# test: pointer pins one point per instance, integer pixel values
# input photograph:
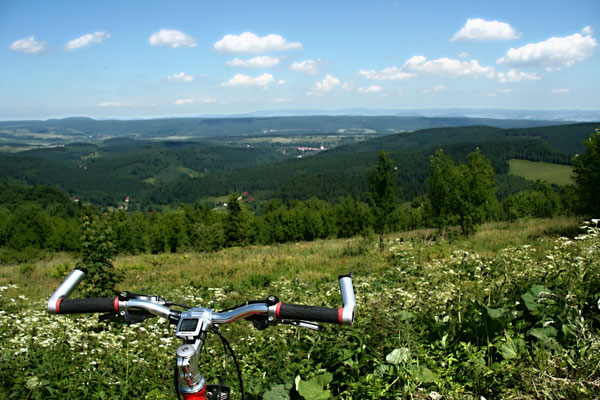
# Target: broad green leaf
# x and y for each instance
(397, 356)
(424, 374)
(531, 295)
(497, 313)
(546, 336)
(512, 348)
(314, 388)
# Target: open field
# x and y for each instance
(507, 313)
(531, 170)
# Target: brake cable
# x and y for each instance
(227, 346)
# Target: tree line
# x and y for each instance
(459, 194)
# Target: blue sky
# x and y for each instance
(145, 59)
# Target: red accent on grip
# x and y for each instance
(340, 314)
(195, 396)
(57, 307)
(117, 304)
(277, 309)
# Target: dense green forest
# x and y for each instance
(174, 172)
(453, 182)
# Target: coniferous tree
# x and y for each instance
(383, 195)
(237, 223)
(587, 176)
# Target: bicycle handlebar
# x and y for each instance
(59, 304)
(78, 306)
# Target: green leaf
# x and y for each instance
(497, 313)
(529, 298)
(512, 348)
(424, 374)
(314, 388)
(546, 336)
(397, 356)
(278, 392)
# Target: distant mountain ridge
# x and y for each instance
(78, 129)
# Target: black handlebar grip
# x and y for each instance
(309, 313)
(77, 306)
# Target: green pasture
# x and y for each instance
(532, 170)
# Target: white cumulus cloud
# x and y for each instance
(255, 62)
(180, 102)
(326, 85)
(448, 67)
(249, 42)
(480, 29)
(310, 67)
(551, 54)
(587, 30)
(560, 91)
(180, 77)
(370, 89)
(28, 45)
(209, 100)
(86, 40)
(172, 38)
(516, 76)
(263, 80)
(392, 73)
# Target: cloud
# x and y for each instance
(435, 89)
(86, 40)
(310, 67)
(113, 104)
(28, 45)
(587, 30)
(180, 77)
(370, 89)
(255, 62)
(180, 102)
(263, 80)
(282, 100)
(448, 67)
(499, 91)
(514, 76)
(464, 54)
(348, 85)
(560, 91)
(480, 29)
(249, 42)
(392, 73)
(326, 85)
(173, 38)
(551, 54)
(209, 100)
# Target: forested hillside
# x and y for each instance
(161, 173)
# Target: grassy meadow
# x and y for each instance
(510, 312)
(531, 170)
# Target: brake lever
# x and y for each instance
(303, 324)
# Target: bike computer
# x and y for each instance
(192, 322)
